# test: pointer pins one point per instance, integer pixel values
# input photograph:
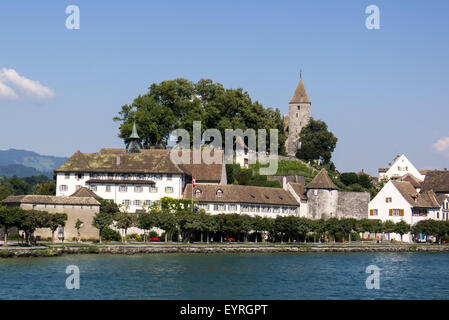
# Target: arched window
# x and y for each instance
(198, 193)
(219, 193)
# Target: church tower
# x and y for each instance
(297, 118)
(133, 146)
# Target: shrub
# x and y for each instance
(111, 235)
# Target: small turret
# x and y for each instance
(134, 146)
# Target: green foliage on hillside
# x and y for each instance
(247, 177)
(175, 104)
(29, 185)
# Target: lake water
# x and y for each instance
(229, 276)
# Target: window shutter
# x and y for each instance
(391, 212)
(371, 212)
(402, 212)
(386, 200)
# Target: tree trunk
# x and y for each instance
(5, 238)
(349, 237)
(255, 239)
(52, 236)
(201, 237)
(166, 236)
(207, 237)
(126, 235)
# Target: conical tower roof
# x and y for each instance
(300, 94)
(322, 181)
(134, 134)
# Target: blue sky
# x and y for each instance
(382, 92)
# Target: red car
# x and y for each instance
(231, 240)
(154, 239)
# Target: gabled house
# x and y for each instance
(400, 201)
(400, 167)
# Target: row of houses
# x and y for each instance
(410, 195)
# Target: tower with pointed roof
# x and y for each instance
(297, 118)
(133, 146)
(322, 195)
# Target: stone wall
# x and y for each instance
(322, 203)
(353, 204)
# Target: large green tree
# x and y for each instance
(317, 142)
(175, 104)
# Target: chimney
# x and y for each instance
(284, 182)
(118, 160)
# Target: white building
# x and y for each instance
(400, 167)
(132, 180)
(262, 201)
(400, 201)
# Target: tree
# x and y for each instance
(174, 104)
(56, 220)
(365, 181)
(402, 228)
(349, 178)
(347, 225)
(102, 220)
(317, 143)
(319, 228)
(389, 227)
(303, 227)
(33, 219)
(333, 226)
(78, 226)
(45, 188)
(10, 217)
(146, 221)
(376, 227)
(166, 221)
(124, 221)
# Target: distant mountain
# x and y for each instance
(25, 163)
(22, 171)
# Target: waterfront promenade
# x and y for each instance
(149, 248)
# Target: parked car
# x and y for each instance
(231, 240)
(154, 239)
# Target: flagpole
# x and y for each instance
(193, 179)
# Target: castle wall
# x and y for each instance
(322, 203)
(353, 205)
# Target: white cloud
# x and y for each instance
(29, 87)
(442, 146)
(7, 93)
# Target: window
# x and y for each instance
(67, 175)
(147, 202)
(158, 177)
(153, 189)
(244, 208)
(93, 188)
(141, 177)
(138, 189)
(123, 188)
(168, 189)
(396, 212)
(137, 202)
(219, 193)
(126, 202)
(63, 187)
(93, 175)
(169, 176)
(108, 188)
(110, 176)
(80, 176)
(204, 206)
(373, 212)
(233, 207)
(197, 193)
(388, 200)
(276, 209)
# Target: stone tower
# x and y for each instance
(322, 195)
(297, 118)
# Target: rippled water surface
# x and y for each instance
(229, 276)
